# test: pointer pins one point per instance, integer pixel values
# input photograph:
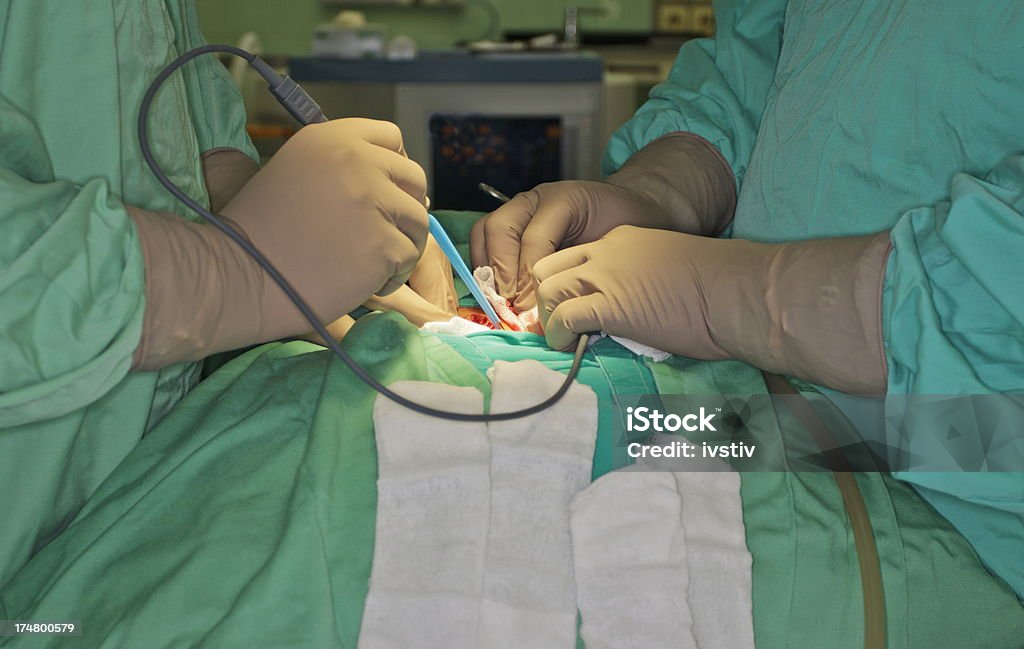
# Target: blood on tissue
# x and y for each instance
(525, 321)
(476, 315)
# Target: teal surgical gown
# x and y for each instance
(72, 75)
(849, 117)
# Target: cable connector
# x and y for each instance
(297, 101)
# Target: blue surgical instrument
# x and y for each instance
(462, 269)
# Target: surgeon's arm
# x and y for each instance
(808, 308)
(229, 163)
(717, 89)
(71, 283)
(675, 165)
(225, 172)
(954, 325)
(933, 306)
(72, 294)
(205, 294)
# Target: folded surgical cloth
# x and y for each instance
(639, 349)
(457, 326)
(473, 547)
(661, 561)
(525, 321)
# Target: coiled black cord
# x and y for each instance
(306, 111)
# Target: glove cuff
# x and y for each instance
(687, 177)
(808, 309)
(226, 171)
(203, 295)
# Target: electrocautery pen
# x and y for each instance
(462, 269)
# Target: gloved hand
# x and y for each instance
(340, 211)
(406, 301)
(434, 283)
(225, 172)
(412, 305)
(808, 309)
(428, 297)
(430, 294)
(678, 182)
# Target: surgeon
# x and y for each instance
(110, 292)
(833, 191)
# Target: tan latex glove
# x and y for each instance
(405, 301)
(807, 309)
(340, 210)
(429, 296)
(412, 305)
(433, 281)
(225, 172)
(678, 182)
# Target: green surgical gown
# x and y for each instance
(845, 118)
(72, 75)
(244, 517)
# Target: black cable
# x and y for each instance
(304, 109)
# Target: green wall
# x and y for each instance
(286, 26)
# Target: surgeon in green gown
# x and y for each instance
(827, 190)
(108, 296)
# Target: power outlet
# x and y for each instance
(684, 17)
(703, 20)
(673, 18)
